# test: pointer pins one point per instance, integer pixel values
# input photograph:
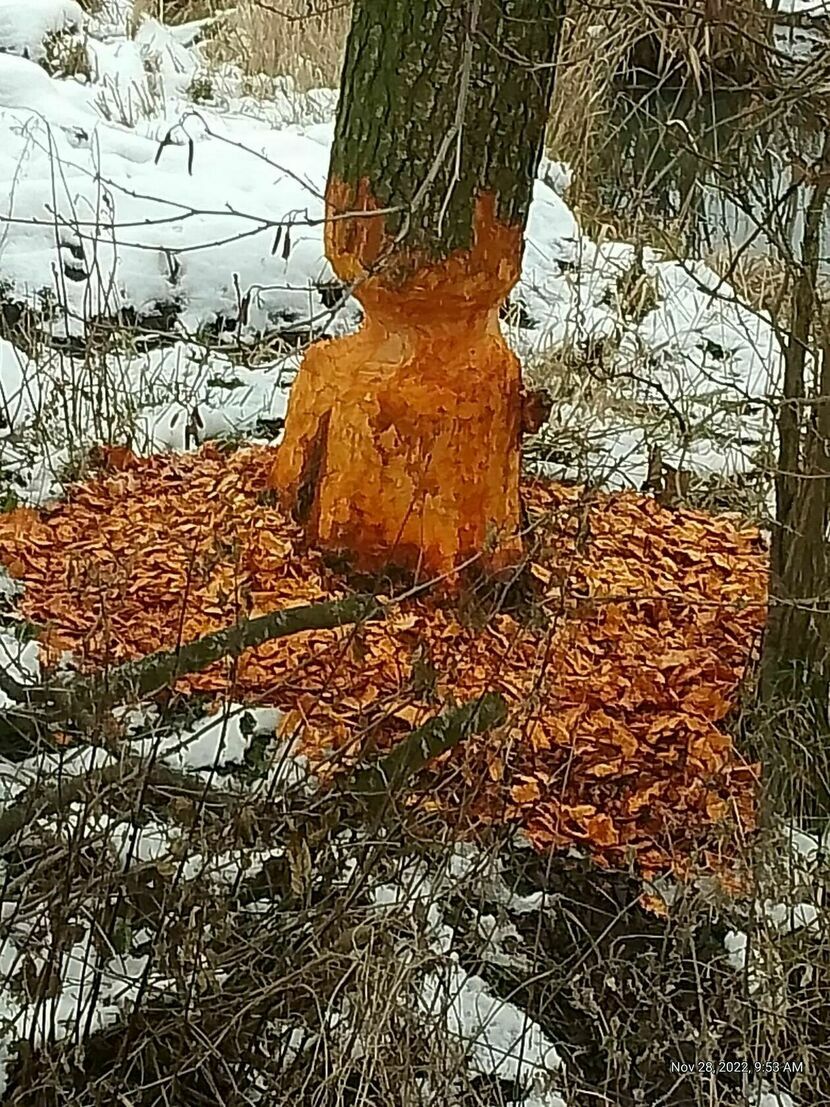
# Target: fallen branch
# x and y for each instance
(372, 785)
(83, 699)
(429, 741)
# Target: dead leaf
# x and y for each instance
(654, 905)
(601, 830)
(527, 792)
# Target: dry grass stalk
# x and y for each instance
(303, 39)
(765, 283)
(176, 11)
(579, 119)
(697, 39)
(696, 44)
(306, 40)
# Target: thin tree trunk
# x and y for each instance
(795, 670)
(402, 440)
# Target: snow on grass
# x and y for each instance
(228, 742)
(158, 184)
(439, 904)
(107, 210)
(806, 850)
(90, 986)
(220, 744)
(203, 395)
(19, 388)
(101, 218)
(91, 992)
(499, 1039)
(25, 28)
(690, 373)
(735, 943)
(174, 398)
(796, 908)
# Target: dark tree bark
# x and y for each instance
(402, 441)
(795, 670)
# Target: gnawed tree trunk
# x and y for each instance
(402, 440)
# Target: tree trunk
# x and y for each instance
(795, 669)
(402, 440)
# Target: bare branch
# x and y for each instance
(85, 698)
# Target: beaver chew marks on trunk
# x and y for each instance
(410, 427)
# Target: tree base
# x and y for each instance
(402, 445)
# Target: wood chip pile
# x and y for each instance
(619, 673)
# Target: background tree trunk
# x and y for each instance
(402, 441)
(795, 670)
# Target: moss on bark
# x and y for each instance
(442, 100)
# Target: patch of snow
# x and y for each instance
(500, 1039)
(229, 868)
(788, 917)
(19, 388)
(215, 742)
(137, 843)
(199, 398)
(777, 918)
(417, 892)
(25, 27)
(501, 944)
(735, 943)
(556, 174)
(112, 19)
(806, 847)
(181, 209)
(173, 398)
(19, 660)
(547, 1099)
(801, 7)
(472, 868)
(9, 587)
(136, 719)
(175, 64)
(766, 1096)
(699, 360)
(90, 992)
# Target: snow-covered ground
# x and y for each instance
(145, 185)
